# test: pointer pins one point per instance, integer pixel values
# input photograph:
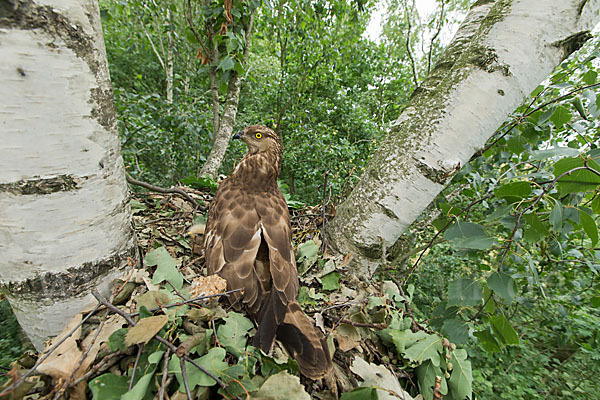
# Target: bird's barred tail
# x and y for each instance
(304, 342)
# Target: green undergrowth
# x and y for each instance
(377, 345)
(10, 343)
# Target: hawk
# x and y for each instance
(248, 242)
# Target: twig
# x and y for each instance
(195, 299)
(184, 377)
(437, 33)
(85, 354)
(135, 364)
(163, 384)
(158, 189)
(347, 303)
(533, 204)
(311, 215)
(48, 352)
(364, 324)
(176, 291)
(408, 47)
(157, 337)
(521, 118)
(103, 365)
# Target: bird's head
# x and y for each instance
(259, 139)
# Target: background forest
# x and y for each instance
(528, 201)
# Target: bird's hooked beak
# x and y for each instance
(238, 135)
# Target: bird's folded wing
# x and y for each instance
(275, 224)
(232, 240)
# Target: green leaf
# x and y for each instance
(464, 292)
(226, 64)
(361, 393)
(155, 357)
(535, 222)
(455, 330)
(561, 116)
(233, 334)
(461, 380)
(307, 254)
(503, 285)
(468, 235)
(426, 373)
(488, 341)
(427, 349)
(239, 68)
(514, 191)
(109, 386)
(331, 281)
(138, 391)
(166, 269)
(577, 181)
(116, 341)
(546, 115)
(539, 155)
(137, 206)
(503, 330)
(201, 183)
(589, 226)
(212, 361)
(590, 77)
(556, 215)
(307, 249)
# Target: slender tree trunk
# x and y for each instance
(227, 118)
(65, 221)
(169, 69)
(221, 140)
(501, 52)
(216, 103)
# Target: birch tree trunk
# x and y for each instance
(226, 119)
(169, 70)
(65, 221)
(501, 52)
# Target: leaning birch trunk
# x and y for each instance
(65, 221)
(501, 52)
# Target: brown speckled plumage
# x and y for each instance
(248, 243)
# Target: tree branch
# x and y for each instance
(158, 189)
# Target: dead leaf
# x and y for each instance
(347, 337)
(374, 375)
(145, 329)
(205, 314)
(320, 322)
(281, 386)
(346, 260)
(63, 360)
(152, 299)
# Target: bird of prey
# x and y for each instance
(247, 241)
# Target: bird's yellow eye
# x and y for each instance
(258, 135)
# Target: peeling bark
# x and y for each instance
(501, 52)
(65, 221)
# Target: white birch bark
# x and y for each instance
(65, 225)
(501, 52)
